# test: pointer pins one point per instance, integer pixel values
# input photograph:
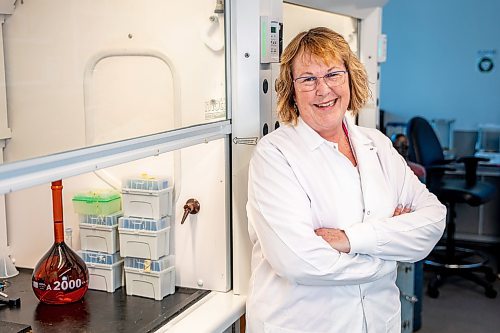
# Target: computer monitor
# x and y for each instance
(488, 139)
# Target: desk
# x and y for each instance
(479, 224)
(98, 312)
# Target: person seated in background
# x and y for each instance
(400, 143)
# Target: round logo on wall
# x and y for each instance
(485, 64)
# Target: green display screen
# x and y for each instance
(273, 30)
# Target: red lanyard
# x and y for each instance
(346, 132)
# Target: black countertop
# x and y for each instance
(97, 312)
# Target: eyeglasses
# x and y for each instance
(309, 83)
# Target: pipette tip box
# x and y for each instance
(97, 202)
(150, 198)
(144, 238)
(100, 232)
(150, 278)
(105, 270)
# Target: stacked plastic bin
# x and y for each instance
(99, 213)
(145, 237)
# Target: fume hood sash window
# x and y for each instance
(23, 174)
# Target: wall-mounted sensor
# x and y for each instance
(382, 48)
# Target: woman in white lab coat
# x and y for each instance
(331, 206)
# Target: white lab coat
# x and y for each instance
(299, 182)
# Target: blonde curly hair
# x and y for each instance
(329, 46)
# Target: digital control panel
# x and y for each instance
(269, 40)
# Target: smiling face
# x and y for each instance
(322, 108)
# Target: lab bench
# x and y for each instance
(99, 311)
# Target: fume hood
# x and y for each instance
(99, 92)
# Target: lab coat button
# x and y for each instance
(368, 213)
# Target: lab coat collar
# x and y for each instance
(310, 137)
(372, 176)
(364, 149)
(313, 140)
(355, 135)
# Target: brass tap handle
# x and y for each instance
(192, 206)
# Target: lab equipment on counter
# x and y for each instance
(68, 236)
(95, 257)
(61, 276)
(11, 303)
(14, 302)
(147, 197)
(146, 183)
(97, 202)
(7, 268)
(100, 232)
(143, 237)
(105, 270)
(150, 278)
(144, 234)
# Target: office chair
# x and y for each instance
(425, 149)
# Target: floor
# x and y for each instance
(461, 307)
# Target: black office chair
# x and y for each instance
(425, 149)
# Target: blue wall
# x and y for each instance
(432, 56)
